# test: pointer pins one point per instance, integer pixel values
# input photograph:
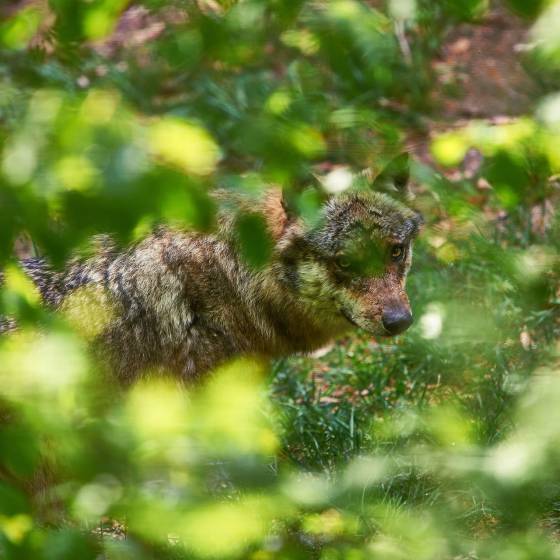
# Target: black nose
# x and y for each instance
(396, 320)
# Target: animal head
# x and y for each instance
(350, 268)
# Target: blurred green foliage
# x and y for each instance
(115, 116)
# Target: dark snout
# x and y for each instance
(396, 320)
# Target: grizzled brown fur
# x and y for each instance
(185, 302)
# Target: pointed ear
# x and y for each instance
(395, 176)
(275, 213)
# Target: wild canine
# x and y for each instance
(185, 302)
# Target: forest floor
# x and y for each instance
(480, 75)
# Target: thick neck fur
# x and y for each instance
(295, 326)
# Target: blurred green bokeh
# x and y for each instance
(115, 116)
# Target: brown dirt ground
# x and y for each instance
(484, 61)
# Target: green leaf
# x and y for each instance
(254, 239)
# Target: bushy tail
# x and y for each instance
(46, 281)
(44, 278)
(6, 324)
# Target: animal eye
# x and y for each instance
(397, 252)
(343, 262)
